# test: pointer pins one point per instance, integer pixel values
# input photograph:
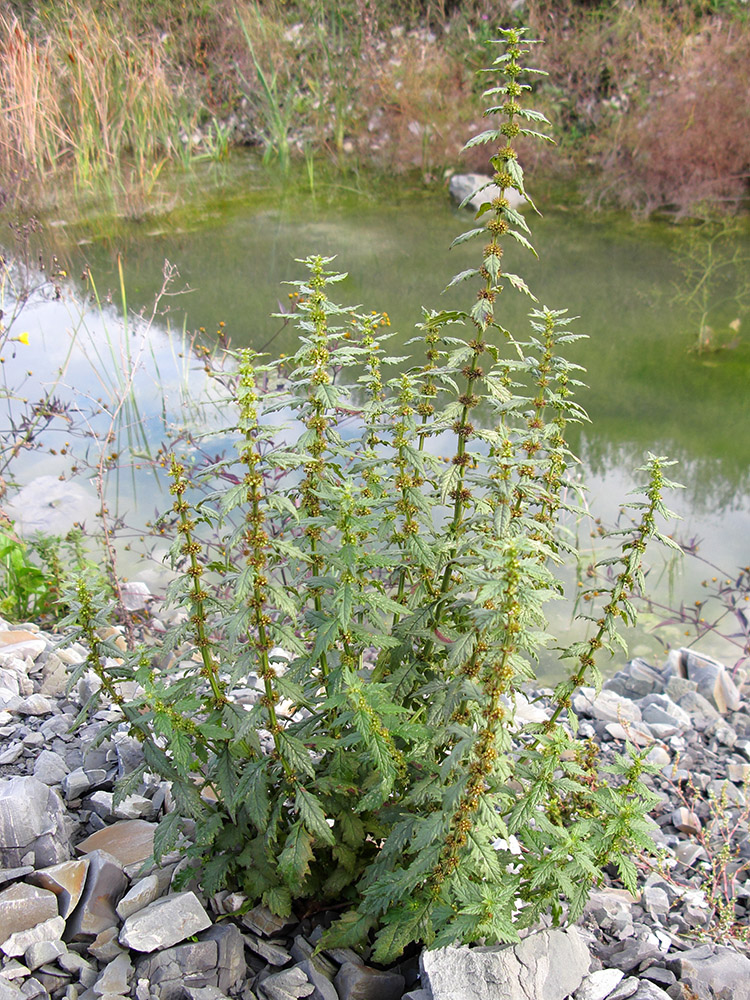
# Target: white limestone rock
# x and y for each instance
(164, 923)
(549, 965)
(32, 819)
(48, 930)
(598, 985)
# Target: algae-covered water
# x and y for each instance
(647, 390)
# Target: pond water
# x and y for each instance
(647, 390)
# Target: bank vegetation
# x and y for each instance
(649, 100)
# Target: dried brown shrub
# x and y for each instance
(689, 142)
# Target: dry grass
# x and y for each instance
(84, 96)
(654, 100)
(689, 143)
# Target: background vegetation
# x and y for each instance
(649, 99)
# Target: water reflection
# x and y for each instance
(646, 392)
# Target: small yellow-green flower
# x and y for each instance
(22, 338)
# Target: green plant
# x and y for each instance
(24, 583)
(276, 107)
(34, 571)
(713, 285)
(387, 586)
(722, 862)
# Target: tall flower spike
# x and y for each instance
(503, 220)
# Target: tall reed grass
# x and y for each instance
(85, 95)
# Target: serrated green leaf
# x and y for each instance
(537, 135)
(295, 753)
(350, 930)
(628, 873)
(520, 285)
(403, 927)
(351, 828)
(128, 784)
(490, 135)
(214, 872)
(482, 312)
(469, 235)
(167, 834)
(278, 899)
(297, 853)
(519, 238)
(313, 815)
(470, 272)
(532, 116)
(460, 650)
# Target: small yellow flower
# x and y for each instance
(22, 338)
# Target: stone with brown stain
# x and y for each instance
(106, 884)
(24, 906)
(66, 880)
(131, 841)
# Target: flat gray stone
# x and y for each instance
(13, 969)
(20, 643)
(14, 874)
(260, 920)
(686, 821)
(10, 992)
(33, 988)
(549, 965)
(67, 880)
(205, 993)
(659, 709)
(169, 971)
(54, 677)
(231, 966)
(129, 841)
(116, 976)
(77, 965)
(290, 983)
(48, 930)
(598, 985)
(607, 706)
(713, 680)
(42, 952)
(134, 807)
(164, 922)
(650, 991)
(629, 954)
(636, 679)
(32, 818)
(106, 884)
(35, 704)
(610, 909)
(100, 802)
(50, 768)
(626, 989)
(656, 902)
(105, 945)
(75, 784)
(141, 894)
(361, 982)
(23, 906)
(725, 973)
(323, 988)
(272, 953)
